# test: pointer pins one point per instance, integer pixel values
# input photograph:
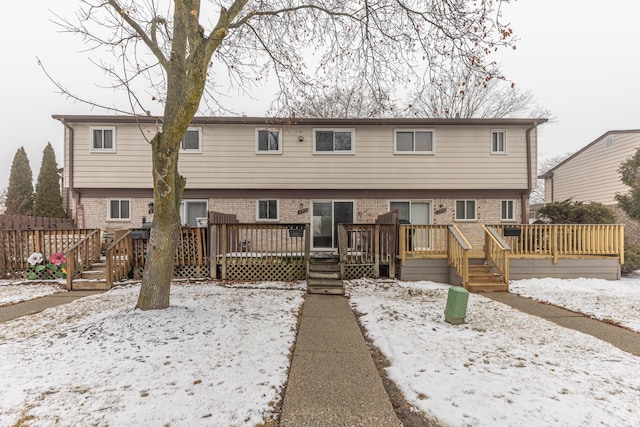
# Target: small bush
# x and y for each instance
(631, 259)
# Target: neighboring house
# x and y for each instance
(591, 174)
(317, 171)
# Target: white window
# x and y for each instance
(465, 210)
(608, 141)
(192, 141)
(498, 142)
(103, 139)
(333, 141)
(119, 209)
(414, 142)
(267, 210)
(191, 210)
(507, 210)
(268, 141)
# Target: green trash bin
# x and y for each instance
(456, 309)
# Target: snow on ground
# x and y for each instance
(215, 357)
(12, 293)
(219, 356)
(502, 367)
(615, 302)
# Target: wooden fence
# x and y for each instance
(17, 245)
(363, 248)
(21, 222)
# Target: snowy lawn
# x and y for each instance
(616, 302)
(500, 368)
(15, 292)
(216, 357)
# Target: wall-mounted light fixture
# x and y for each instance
(151, 206)
(301, 205)
(300, 138)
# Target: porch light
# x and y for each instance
(150, 205)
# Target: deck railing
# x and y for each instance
(82, 255)
(368, 244)
(497, 252)
(239, 249)
(423, 241)
(119, 258)
(191, 249)
(17, 245)
(458, 253)
(556, 240)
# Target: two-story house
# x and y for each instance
(592, 175)
(317, 171)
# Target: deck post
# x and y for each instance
(376, 251)
(223, 247)
(213, 245)
(307, 247)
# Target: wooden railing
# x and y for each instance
(497, 252)
(258, 244)
(422, 241)
(458, 253)
(191, 249)
(368, 244)
(17, 245)
(119, 258)
(556, 240)
(82, 255)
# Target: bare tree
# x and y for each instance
(177, 52)
(460, 92)
(354, 101)
(544, 165)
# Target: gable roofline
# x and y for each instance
(549, 173)
(282, 121)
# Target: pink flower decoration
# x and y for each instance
(57, 259)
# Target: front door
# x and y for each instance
(415, 213)
(326, 217)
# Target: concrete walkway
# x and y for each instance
(333, 379)
(37, 305)
(624, 339)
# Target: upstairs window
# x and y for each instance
(507, 210)
(103, 139)
(498, 142)
(192, 141)
(268, 141)
(333, 141)
(267, 210)
(414, 142)
(465, 210)
(119, 209)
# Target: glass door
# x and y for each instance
(420, 215)
(325, 219)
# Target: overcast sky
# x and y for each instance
(579, 58)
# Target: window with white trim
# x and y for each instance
(268, 141)
(119, 209)
(465, 210)
(414, 142)
(267, 210)
(191, 210)
(103, 139)
(339, 141)
(191, 141)
(498, 142)
(507, 209)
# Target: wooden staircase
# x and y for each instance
(483, 279)
(324, 275)
(92, 279)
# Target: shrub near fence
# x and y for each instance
(20, 222)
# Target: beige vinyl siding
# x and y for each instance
(592, 175)
(462, 160)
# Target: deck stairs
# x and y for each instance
(324, 275)
(482, 278)
(92, 279)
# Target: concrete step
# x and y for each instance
(89, 285)
(325, 290)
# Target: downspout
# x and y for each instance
(525, 194)
(74, 193)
